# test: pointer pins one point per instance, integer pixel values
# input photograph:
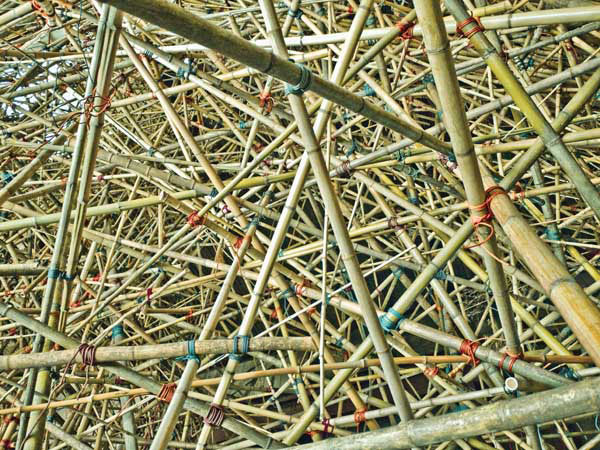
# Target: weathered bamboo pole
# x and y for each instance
(579, 398)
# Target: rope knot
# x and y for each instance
(468, 348)
(405, 29)
(486, 218)
(266, 101)
(194, 220)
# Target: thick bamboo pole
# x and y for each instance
(533, 409)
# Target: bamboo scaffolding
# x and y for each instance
(361, 224)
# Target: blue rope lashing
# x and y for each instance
(370, 20)
(339, 342)
(237, 352)
(213, 192)
(296, 14)
(439, 114)
(569, 373)
(526, 135)
(191, 352)
(65, 276)
(296, 382)
(413, 200)
(7, 177)
(151, 151)
(353, 147)
(398, 273)
(346, 117)
(459, 408)
(54, 274)
(321, 11)
(552, 234)
(387, 324)
(289, 292)
(427, 79)
(243, 125)
(440, 275)
(371, 42)
(452, 157)
(530, 63)
(368, 90)
(148, 54)
(303, 84)
(327, 298)
(280, 253)
(117, 331)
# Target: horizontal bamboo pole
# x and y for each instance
(143, 352)
(579, 398)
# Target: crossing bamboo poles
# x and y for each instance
(147, 277)
(438, 52)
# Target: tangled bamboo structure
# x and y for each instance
(332, 224)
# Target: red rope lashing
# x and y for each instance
(468, 348)
(274, 313)
(326, 425)
(88, 354)
(166, 392)
(461, 25)
(405, 29)
(7, 443)
(194, 220)
(511, 362)
(12, 331)
(431, 372)
(215, 416)
(310, 311)
(486, 218)
(149, 294)
(266, 101)
(301, 287)
(189, 315)
(90, 110)
(359, 417)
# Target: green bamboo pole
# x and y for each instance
(551, 139)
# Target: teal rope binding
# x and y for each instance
(387, 324)
(191, 352)
(552, 234)
(117, 331)
(237, 352)
(368, 91)
(427, 79)
(295, 14)
(6, 177)
(303, 84)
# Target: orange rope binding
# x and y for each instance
(473, 19)
(166, 392)
(485, 219)
(468, 348)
